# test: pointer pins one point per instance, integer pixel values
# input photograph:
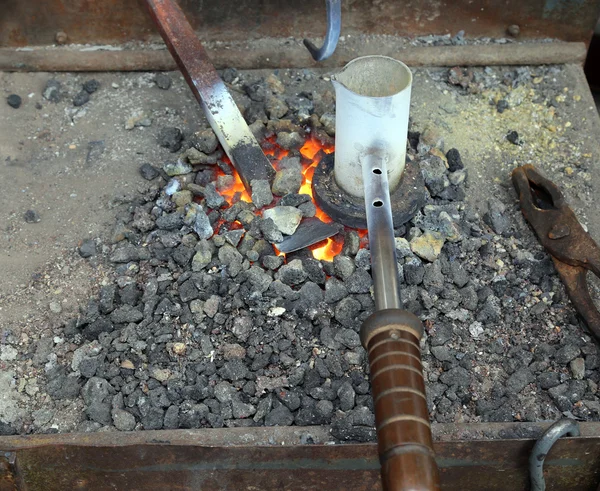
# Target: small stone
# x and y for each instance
(199, 221)
(457, 177)
(201, 259)
(427, 246)
(163, 81)
(577, 368)
(225, 182)
(81, 98)
(13, 100)
(91, 86)
(170, 138)
(138, 119)
(52, 91)
(456, 376)
(242, 327)
(272, 262)
(182, 198)
(171, 421)
(351, 243)
(280, 416)
(547, 380)
(234, 236)
(513, 137)
(346, 313)
(335, 290)
(294, 199)
(402, 247)
(234, 370)
(289, 141)
(129, 253)
(205, 141)
(177, 168)
(179, 349)
(270, 230)
(287, 180)
(496, 217)
(242, 410)
(261, 193)
(285, 218)
(196, 157)
(87, 248)
(502, 105)
(476, 329)
(292, 273)
(213, 199)
(235, 350)
(160, 374)
(566, 354)
(31, 216)
(454, 160)
(343, 267)
(275, 107)
(328, 122)
(519, 380)
(123, 420)
(126, 314)
(347, 396)
(148, 172)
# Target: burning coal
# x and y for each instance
(311, 153)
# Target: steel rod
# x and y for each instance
(384, 269)
(391, 337)
(210, 91)
(268, 53)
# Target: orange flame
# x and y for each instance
(312, 152)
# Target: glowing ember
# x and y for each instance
(312, 152)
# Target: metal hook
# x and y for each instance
(542, 447)
(334, 26)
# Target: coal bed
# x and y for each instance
(188, 316)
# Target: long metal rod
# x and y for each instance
(267, 53)
(384, 269)
(391, 337)
(210, 91)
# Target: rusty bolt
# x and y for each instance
(61, 37)
(514, 30)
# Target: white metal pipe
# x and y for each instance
(372, 107)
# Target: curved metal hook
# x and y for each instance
(334, 26)
(542, 447)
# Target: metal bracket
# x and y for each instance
(541, 448)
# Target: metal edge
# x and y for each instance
(269, 54)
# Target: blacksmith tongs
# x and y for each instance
(572, 249)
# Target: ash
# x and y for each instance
(204, 325)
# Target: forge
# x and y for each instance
(187, 264)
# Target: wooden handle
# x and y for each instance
(391, 338)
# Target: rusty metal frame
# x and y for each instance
(116, 22)
(490, 456)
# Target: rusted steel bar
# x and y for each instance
(210, 91)
(239, 458)
(269, 53)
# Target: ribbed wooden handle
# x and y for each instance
(391, 338)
